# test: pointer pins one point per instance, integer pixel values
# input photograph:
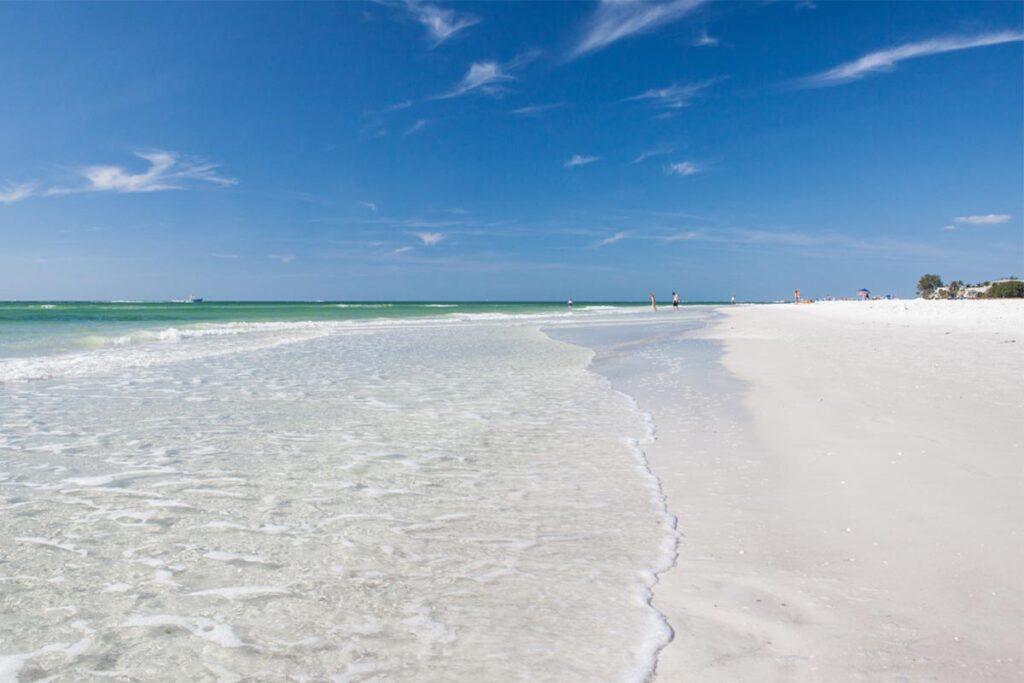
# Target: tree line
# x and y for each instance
(930, 286)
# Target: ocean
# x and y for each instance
(322, 491)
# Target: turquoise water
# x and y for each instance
(30, 328)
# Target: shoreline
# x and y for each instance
(840, 518)
(626, 357)
(834, 486)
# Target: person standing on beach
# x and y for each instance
(654, 302)
(733, 300)
(675, 301)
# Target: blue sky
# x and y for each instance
(403, 150)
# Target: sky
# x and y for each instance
(508, 151)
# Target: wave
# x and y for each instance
(147, 347)
(172, 335)
(130, 351)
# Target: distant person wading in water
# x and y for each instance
(675, 301)
(654, 303)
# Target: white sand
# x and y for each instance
(869, 525)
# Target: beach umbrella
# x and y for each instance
(864, 293)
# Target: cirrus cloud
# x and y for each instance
(483, 76)
(166, 171)
(614, 20)
(430, 239)
(534, 109)
(886, 60)
(15, 193)
(705, 40)
(416, 127)
(441, 23)
(683, 168)
(580, 160)
(612, 239)
(654, 152)
(987, 219)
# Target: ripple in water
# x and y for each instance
(456, 503)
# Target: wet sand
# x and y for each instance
(847, 486)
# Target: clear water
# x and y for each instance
(415, 497)
(29, 328)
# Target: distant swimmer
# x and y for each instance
(654, 303)
(675, 301)
(570, 304)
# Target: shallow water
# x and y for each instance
(456, 499)
(33, 328)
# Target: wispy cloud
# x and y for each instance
(829, 244)
(484, 76)
(675, 96)
(489, 77)
(886, 60)
(705, 40)
(167, 171)
(283, 258)
(987, 219)
(949, 228)
(823, 244)
(580, 160)
(429, 239)
(683, 168)
(818, 243)
(617, 237)
(655, 152)
(416, 127)
(15, 193)
(441, 23)
(535, 109)
(614, 20)
(402, 250)
(369, 205)
(682, 236)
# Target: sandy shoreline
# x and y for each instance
(848, 493)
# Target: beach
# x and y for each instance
(600, 341)
(846, 478)
(512, 492)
